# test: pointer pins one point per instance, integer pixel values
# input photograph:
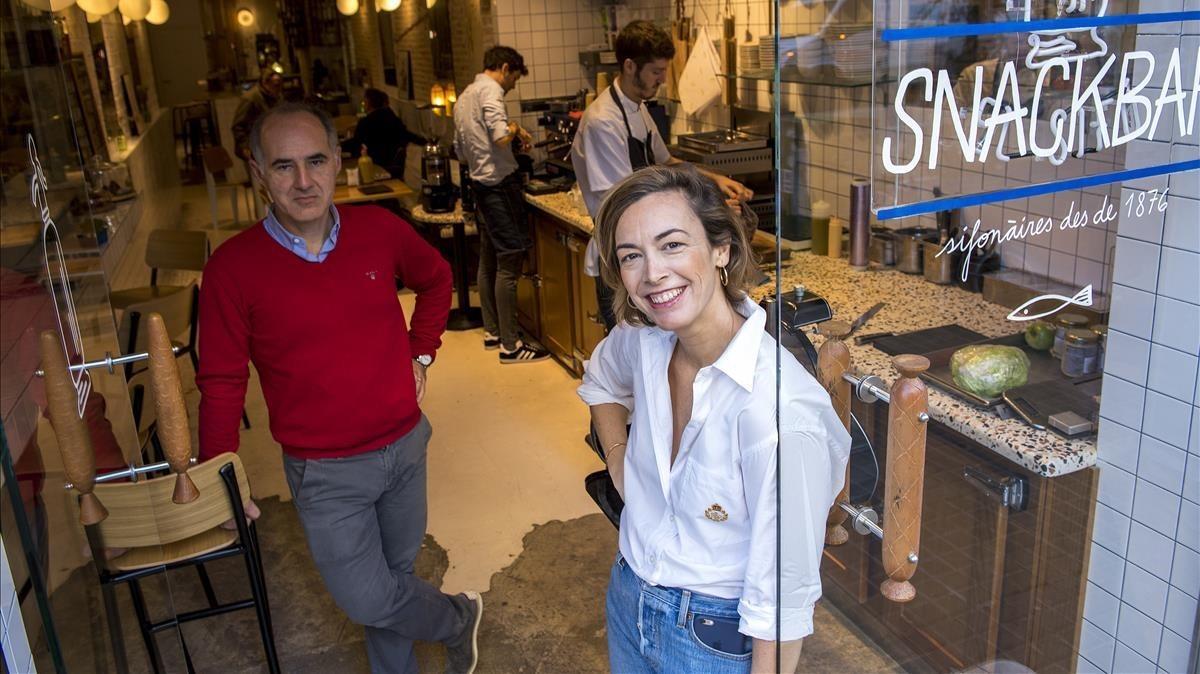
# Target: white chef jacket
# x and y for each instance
(600, 153)
(726, 464)
(481, 119)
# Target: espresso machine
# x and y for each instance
(438, 194)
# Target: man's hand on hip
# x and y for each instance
(419, 378)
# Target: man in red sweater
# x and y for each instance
(308, 295)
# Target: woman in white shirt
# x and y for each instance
(691, 369)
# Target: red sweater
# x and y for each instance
(328, 339)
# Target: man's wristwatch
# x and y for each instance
(424, 359)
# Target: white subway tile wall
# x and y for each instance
(1149, 442)
(18, 657)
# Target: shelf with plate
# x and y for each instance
(792, 76)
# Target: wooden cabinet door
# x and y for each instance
(589, 326)
(554, 296)
(955, 618)
(527, 295)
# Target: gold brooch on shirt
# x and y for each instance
(716, 513)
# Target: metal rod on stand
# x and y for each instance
(107, 362)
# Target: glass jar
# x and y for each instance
(1081, 350)
(1102, 336)
(1065, 322)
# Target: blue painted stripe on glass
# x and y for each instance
(1071, 23)
(952, 203)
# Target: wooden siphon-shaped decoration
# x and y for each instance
(173, 430)
(905, 480)
(833, 361)
(74, 442)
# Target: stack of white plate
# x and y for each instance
(748, 57)
(805, 52)
(766, 52)
(851, 47)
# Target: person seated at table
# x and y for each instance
(383, 134)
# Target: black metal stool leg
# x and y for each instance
(258, 590)
(262, 575)
(114, 628)
(187, 655)
(139, 607)
(209, 593)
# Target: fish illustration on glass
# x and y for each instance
(1044, 305)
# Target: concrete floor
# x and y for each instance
(508, 516)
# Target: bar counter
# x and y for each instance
(912, 304)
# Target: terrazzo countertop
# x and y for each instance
(421, 215)
(560, 205)
(912, 304)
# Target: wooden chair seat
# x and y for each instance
(123, 299)
(143, 558)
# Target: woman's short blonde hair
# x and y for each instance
(722, 226)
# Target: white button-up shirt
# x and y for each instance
(480, 120)
(600, 153)
(708, 522)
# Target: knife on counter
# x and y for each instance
(861, 320)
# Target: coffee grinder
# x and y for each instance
(437, 189)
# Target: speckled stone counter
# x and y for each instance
(914, 304)
(421, 215)
(559, 205)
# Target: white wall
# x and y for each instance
(179, 55)
(1144, 577)
(18, 657)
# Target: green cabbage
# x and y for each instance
(987, 370)
(1039, 335)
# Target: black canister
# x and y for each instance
(860, 223)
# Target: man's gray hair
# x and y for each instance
(291, 109)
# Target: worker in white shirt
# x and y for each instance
(483, 140)
(617, 137)
(691, 367)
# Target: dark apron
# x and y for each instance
(599, 485)
(641, 153)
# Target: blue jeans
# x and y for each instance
(654, 629)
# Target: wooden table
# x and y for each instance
(344, 194)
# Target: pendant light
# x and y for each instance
(159, 12)
(245, 17)
(347, 7)
(134, 10)
(388, 5)
(97, 7)
(93, 18)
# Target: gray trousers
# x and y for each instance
(498, 275)
(364, 518)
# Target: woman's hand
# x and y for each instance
(609, 420)
(614, 460)
(763, 659)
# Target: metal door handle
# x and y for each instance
(595, 318)
(1011, 491)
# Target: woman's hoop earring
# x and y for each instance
(629, 301)
(724, 275)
